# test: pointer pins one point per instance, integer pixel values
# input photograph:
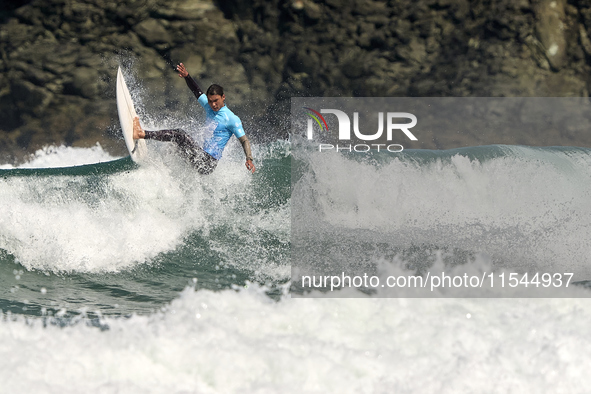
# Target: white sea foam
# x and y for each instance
(243, 342)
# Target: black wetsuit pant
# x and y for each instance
(190, 150)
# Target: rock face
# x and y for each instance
(551, 31)
(58, 58)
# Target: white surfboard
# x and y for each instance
(137, 148)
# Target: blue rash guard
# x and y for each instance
(223, 123)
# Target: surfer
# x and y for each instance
(223, 122)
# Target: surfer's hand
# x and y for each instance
(183, 73)
(250, 166)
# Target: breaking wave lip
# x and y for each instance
(63, 156)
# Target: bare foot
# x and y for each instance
(137, 129)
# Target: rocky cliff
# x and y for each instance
(58, 58)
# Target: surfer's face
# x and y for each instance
(216, 101)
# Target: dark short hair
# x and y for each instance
(215, 89)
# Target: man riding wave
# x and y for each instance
(217, 117)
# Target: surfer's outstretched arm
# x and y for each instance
(246, 146)
(191, 83)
